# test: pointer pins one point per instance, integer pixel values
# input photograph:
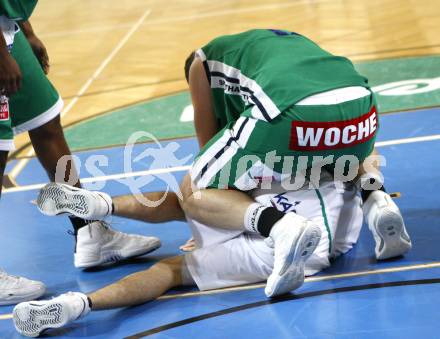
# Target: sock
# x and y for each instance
(90, 302)
(113, 208)
(268, 218)
(260, 219)
(78, 223)
(371, 180)
(366, 193)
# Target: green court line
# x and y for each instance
(161, 116)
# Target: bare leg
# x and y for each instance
(140, 287)
(130, 206)
(215, 207)
(3, 158)
(50, 145)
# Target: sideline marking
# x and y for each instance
(106, 177)
(307, 280)
(408, 140)
(186, 168)
(23, 162)
(280, 299)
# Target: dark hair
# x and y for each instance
(188, 63)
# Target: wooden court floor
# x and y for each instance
(107, 54)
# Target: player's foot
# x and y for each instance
(97, 244)
(55, 199)
(295, 239)
(17, 289)
(387, 225)
(32, 318)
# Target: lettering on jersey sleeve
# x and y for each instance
(318, 136)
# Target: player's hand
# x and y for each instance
(189, 246)
(40, 52)
(10, 75)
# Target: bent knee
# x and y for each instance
(187, 202)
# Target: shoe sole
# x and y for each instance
(391, 231)
(32, 319)
(291, 275)
(113, 257)
(15, 299)
(55, 199)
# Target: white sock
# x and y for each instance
(252, 215)
(79, 303)
(104, 209)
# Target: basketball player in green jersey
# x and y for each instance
(29, 103)
(269, 105)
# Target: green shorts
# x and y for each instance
(250, 151)
(36, 103)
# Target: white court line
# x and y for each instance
(22, 163)
(5, 316)
(307, 280)
(408, 140)
(106, 177)
(248, 9)
(186, 168)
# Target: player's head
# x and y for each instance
(188, 63)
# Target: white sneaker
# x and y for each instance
(386, 223)
(97, 244)
(17, 289)
(32, 318)
(295, 239)
(55, 199)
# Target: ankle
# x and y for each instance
(78, 223)
(261, 219)
(369, 183)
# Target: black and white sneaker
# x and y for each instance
(55, 199)
(17, 289)
(34, 317)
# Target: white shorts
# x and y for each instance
(225, 258)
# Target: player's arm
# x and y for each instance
(205, 121)
(10, 75)
(36, 44)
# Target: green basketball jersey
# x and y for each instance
(260, 73)
(17, 9)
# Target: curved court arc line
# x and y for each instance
(279, 300)
(307, 280)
